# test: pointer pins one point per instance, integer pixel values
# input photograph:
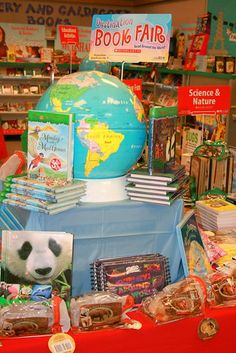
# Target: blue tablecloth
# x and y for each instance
(110, 230)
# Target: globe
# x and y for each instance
(87, 65)
(109, 130)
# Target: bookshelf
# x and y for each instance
(21, 85)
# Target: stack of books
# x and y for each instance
(47, 195)
(139, 276)
(216, 214)
(157, 187)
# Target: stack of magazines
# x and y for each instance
(216, 214)
(47, 195)
(139, 276)
(161, 187)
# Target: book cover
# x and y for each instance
(217, 206)
(38, 257)
(193, 254)
(44, 195)
(25, 206)
(50, 144)
(50, 184)
(138, 276)
(161, 142)
(41, 204)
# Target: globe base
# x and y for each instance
(105, 190)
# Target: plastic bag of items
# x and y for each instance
(222, 286)
(176, 301)
(98, 310)
(34, 318)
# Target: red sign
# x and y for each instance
(136, 86)
(203, 100)
(69, 35)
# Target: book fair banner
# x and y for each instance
(204, 100)
(130, 38)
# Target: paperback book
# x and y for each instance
(41, 194)
(28, 200)
(25, 206)
(50, 144)
(50, 184)
(32, 258)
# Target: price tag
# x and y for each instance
(61, 343)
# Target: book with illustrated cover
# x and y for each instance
(41, 194)
(217, 206)
(194, 257)
(50, 184)
(48, 205)
(50, 144)
(139, 276)
(38, 257)
(161, 139)
(226, 241)
(29, 207)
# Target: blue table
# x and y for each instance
(110, 230)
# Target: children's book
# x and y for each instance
(32, 258)
(161, 140)
(43, 195)
(50, 144)
(29, 207)
(50, 184)
(192, 250)
(39, 203)
(139, 276)
(217, 206)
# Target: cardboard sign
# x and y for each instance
(69, 35)
(130, 38)
(204, 100)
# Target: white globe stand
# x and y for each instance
(105, 190)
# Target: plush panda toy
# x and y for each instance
(36, 257)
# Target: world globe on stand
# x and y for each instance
(110, 130)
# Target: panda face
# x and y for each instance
(39, 259)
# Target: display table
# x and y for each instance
(110, 230)
(177, 337)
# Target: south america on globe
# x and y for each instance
(109, 132)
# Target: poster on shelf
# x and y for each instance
(131, 38)
(203, 100)
(82, 49)
(22, 42)
(135, 85)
